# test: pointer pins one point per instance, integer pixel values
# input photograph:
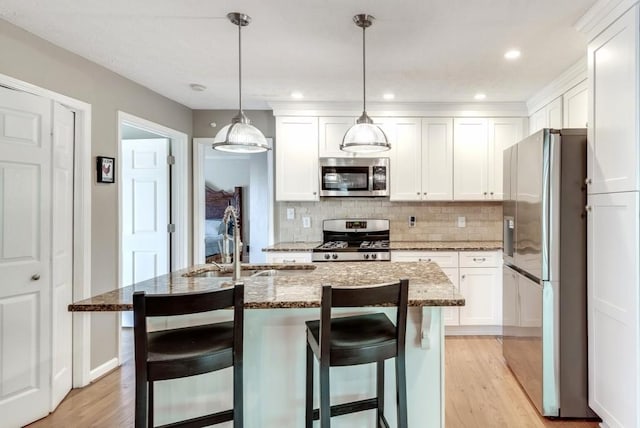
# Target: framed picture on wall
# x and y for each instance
(106, 168)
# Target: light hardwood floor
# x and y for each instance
(480, 392)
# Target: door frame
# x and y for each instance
(179, 204)
(82, 182)
(199, 200)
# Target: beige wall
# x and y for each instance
(36, 61)
(435, 221)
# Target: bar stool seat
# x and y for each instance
(358, 339)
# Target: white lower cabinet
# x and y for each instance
(613, 276)
(288, 257)
(479, 286)
(478, 277)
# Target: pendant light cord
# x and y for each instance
(364, 77)
(240, 65)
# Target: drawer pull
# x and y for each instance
(479, 259)
(424, 260)
(288, 261)
(463, 276)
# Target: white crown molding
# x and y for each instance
(561, 84)
(601, 15)
(513, 109)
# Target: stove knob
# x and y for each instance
(327, 256)
(374, 256)
(334, 256)
(366, 256)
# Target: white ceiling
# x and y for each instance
(421, 50)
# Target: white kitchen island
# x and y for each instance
(274, 344)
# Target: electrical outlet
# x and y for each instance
(462, 222)
(291, 213)
(306, 222)
(412, 221)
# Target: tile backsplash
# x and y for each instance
(435, 221)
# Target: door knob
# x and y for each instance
(35, 277)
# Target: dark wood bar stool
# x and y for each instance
(360, 339)
(189, 351)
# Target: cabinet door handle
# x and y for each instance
(492, 193)
(418, 193)
(424, 193)
(35, 277)
(587, 208)
(485, 193)
(587, 181)
(463, 276)
(315, 193)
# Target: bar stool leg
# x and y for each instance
(308, 401)
(380, 392)
(401, 391)
(151, 404)
(238, 421)
(325, 407)
(141, 400)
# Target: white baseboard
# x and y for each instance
(473, 330)
(103, 369)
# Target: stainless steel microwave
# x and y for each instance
(354, 177)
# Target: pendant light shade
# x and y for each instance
(240, 136)
(364, 136)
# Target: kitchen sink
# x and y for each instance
(257, 271)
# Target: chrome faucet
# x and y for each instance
(231, 213)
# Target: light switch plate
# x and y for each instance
(291, 213)
(462, 222)
(306, 222)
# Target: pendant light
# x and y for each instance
(240, 136)
(364, 136)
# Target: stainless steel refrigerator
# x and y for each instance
(544, 277)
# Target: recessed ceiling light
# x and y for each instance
(512, 54)
(388, 96)
(197, 87)
(297, 95)
(479, 96)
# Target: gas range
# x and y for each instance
(353, 240)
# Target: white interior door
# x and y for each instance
(25, 245)
(145, 207)
(62, 251)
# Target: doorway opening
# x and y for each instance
(221, 179)
(152, 195)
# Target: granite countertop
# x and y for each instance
(445, 245)
(400, 246)
(299, 287)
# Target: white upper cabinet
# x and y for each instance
(503, 133)
(296, 152)
(575, 106)
(404, 135)
(470, 159)
(421, 159)
(477, 158)
(437, 159)
(331, 132)
(612, 159)
(550, 116)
